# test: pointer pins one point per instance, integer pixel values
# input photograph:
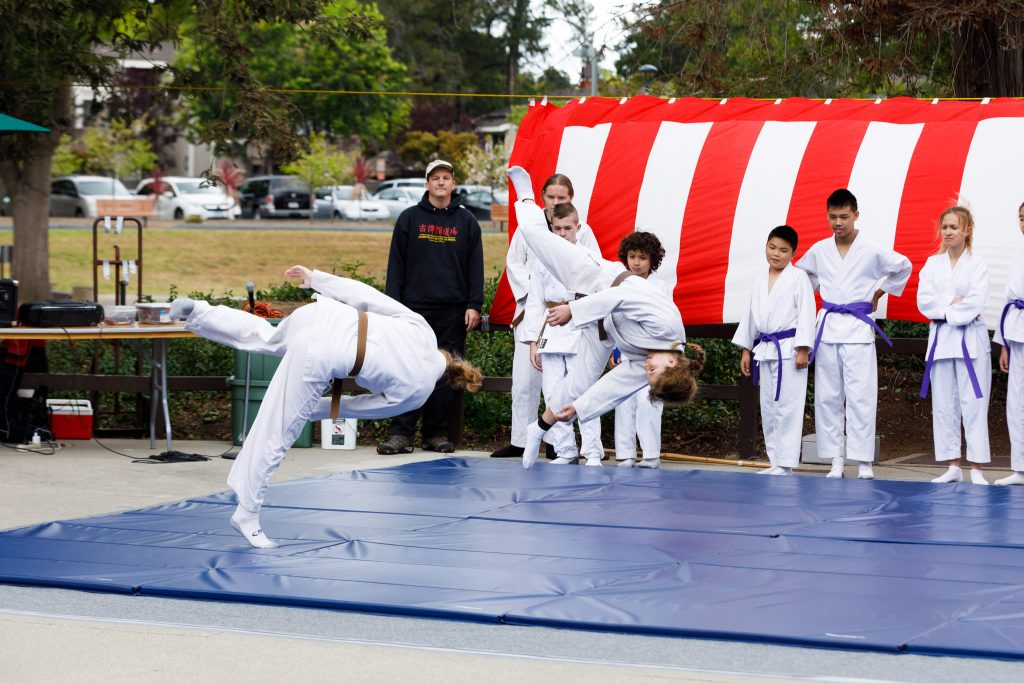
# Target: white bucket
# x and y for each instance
(339, 434)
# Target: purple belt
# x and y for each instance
(774, 338)
(967, 360)
(858, 309)
(1013, 303)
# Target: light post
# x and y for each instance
(647, 73)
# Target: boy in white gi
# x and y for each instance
(953, 293)
(638, 417)
(318, 343)
(776, 337)
(846, 269)
(526, 379)
(555, 350)
(640, 320)
(1010, 335)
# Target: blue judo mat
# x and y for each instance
(877, 565)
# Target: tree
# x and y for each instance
(113, 148)
(822, 48)
(321, 165)
(422, 147)
(47, 47)
(487, 167)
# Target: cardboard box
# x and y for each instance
(70, 418)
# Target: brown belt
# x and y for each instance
(619, 279)
(518, 319)
(356, 367)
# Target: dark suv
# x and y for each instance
(275, 196)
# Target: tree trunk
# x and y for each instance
(988, 69)
(518, 23)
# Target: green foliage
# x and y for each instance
(321, 164)
(421, 147)
(115, 148)
(486, 168)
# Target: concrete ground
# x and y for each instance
(63, 635)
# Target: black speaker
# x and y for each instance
(61, 313)
(8, 302)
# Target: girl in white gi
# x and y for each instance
(779, 330)
(847, 268)
(526, 379)
(318, 343)
(1010, 335)
(641, 321)
(638, 417)
(953, 293)
(557, 350)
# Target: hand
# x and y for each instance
(874, 300)
(566, 414)
(535, 357)
(745, 363)
(956, 299)
(301, 272)
(612, 362)
(472, 318)
(802, 354)
(559, 315)
(1004, 360)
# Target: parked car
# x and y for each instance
(479, 201)
(275, 196)
(180, 198)
(76, 195)
(398, 199)
(340, 201)
(415, 183)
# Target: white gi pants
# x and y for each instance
(558, 368)
(953, 402)
(782, 421)
(845, 400)
(526, 386)
(289, 400)
(1015, 405)
(638, 418)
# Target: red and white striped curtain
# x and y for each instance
(712, 178)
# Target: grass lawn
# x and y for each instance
(219, 260)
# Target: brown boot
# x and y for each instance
(394, 445)
(438, 444)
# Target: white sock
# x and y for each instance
(628, 462)
(1015, 479)
(650, 463)
(594, 462)
(865, 471)
(977, 477)
(781, 471)
(953, 475)
(564, 461)
(534, 435)
(837, 468)
(520, 179)
(770, 470)
(181, 308)
(248, 524)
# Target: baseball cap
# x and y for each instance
(439, 163)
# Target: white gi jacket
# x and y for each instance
(402, 363)
(850, 279)
(1014, 323)
(789, 305)
(939, 285)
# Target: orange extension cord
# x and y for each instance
(264, 310)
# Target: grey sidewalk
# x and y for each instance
(61, 635)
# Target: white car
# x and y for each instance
(180, 198)
(76, 195)
(340, 201)
(398, 199)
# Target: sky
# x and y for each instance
(563, 42)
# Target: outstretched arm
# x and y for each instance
(348, 291)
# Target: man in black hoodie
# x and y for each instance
(436, 268)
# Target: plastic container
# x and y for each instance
(119, 315)
(154, 314)
(339, 434)
(70, 418)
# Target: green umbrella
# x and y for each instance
(9, 124)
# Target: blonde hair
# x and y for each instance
(678, 384)
(966, 220)
(461, 373)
